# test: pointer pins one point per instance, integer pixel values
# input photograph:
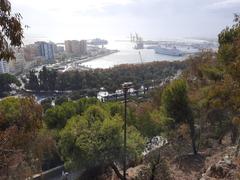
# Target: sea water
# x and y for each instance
(128, 55)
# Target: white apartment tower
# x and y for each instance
(4, 66)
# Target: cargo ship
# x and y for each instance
(168, 51)
(139, 45)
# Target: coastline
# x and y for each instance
(76, 63)
(98, 56)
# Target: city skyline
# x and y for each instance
(111, 19)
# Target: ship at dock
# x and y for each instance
(168, 51)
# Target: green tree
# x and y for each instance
(228, 56)
(43, 78)
(114, 108)
(5, 81)
(84, 103)
(213, 73)
(33, 83)
(52, 77)
(140, 116)
(60, 100)
(47, 79)
(95, 139)
(176, 106)
(11, 30)
(46, 104)
(56, 117)
(229, 49)
(20, 124)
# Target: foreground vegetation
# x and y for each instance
(198, 114)
(6, 80)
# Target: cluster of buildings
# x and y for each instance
(40, 53)
(14, 66)
(76, 48)
(30, 56)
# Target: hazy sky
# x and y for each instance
(57, 20)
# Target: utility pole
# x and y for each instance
(125, 87)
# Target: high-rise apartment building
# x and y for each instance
(46, 51)
(4, 66)
(76, 48)
(68, 46)
(17, 65)
(31, 51)
(83, 47)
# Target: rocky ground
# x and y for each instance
(213, 163)
(170, 162)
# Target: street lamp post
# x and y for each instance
(125, 87)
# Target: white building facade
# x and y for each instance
(4, 66)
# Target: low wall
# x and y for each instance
(50, 174)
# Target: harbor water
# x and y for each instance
(128, 55)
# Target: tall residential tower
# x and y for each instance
(4, 66)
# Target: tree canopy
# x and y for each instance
(11, 34)
(96, 139)
(56, 117)
(176, 106)
(175, 101)
(5, 83)
(20, 138)
(111, 79)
